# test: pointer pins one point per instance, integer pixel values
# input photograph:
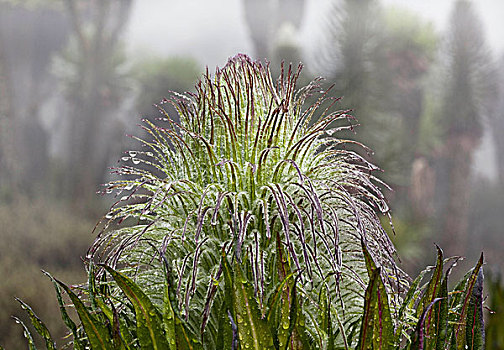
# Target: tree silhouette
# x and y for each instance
(264, 19)
(468, 66)
(26, 83)
(93, 86)
(497, 120)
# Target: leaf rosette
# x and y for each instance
(249, 168)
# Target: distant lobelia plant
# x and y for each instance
(253, 174)
(248, 224)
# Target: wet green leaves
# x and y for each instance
(449, 320)
(437, 319)
(377, 329)
(242, 308)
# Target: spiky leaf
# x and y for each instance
(377, 330)
(253, 331)
(77, 343)
(39, 326)
(475, 328)
(437, 314)
(98, 334)
(148, 318)
(26, 334)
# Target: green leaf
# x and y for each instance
(253, 331)
(300, 334)
(460, 328)
(98, 334)
(227, 333)
(64, 315)
(177, 333)
(408, 303)
(431, 292)
(441, 315)
(370, 264)
(458, 304)
(121, 335)
(292, 316)
(330, 333)
(275, 297)
(419, 337)
(287, 313)
(91, 286)
(169, 318)
(26, 333)
(228, 330)
(475, 327)
(148, 318)
(377, 331)
(39, 326)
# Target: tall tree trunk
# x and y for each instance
(25, 83)
(265, 17)
(458, 154)
(8, 168)
(91, 95)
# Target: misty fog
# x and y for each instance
(425, 79)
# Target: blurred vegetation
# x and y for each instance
(157, 77)
(37, 234)
(468, 82)
(495, 319)
(485, 220)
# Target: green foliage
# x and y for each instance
(157, 77)
(495, 321)
(253, 331)
(40, 327)
(148, 318)
(410, 32)
(445, 320)
(448, 320)
(377, 329)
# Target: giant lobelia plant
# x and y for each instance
(246, 223)
(248, 172)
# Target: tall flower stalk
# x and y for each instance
(251, 172)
